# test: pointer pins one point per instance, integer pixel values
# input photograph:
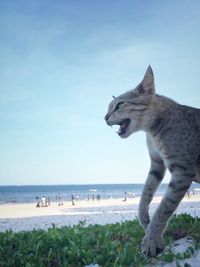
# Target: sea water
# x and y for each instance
(31, 193)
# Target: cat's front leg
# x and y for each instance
(152, 243)
(154, 178)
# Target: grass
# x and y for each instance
(109, 245)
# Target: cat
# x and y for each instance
(173, 141)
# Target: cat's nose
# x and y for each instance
(106, 117)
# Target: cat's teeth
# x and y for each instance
(119, 132)
(116, 128)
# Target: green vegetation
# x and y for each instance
(109, 245)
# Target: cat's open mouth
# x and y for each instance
(123, 126)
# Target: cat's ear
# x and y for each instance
(147, 85)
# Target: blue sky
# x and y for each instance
(61, 61)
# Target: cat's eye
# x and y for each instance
(118, 105)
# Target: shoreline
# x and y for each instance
(26, 217)
(24, 210)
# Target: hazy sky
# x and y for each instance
(61, 61)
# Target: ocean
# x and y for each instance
(31, 193)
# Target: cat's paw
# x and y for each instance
(152, 245)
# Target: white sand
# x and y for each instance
(27, 217)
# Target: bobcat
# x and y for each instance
(173, 140)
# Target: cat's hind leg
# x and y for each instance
(181, 180)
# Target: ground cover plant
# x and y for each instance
(80, 245)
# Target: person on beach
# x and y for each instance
(49, 201)
(124, 199)
(188, 193)
(60, 203)
(73, 198)
(125, 194)
(43, 201)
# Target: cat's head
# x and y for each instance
(131, 110)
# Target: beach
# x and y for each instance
(26, 217)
